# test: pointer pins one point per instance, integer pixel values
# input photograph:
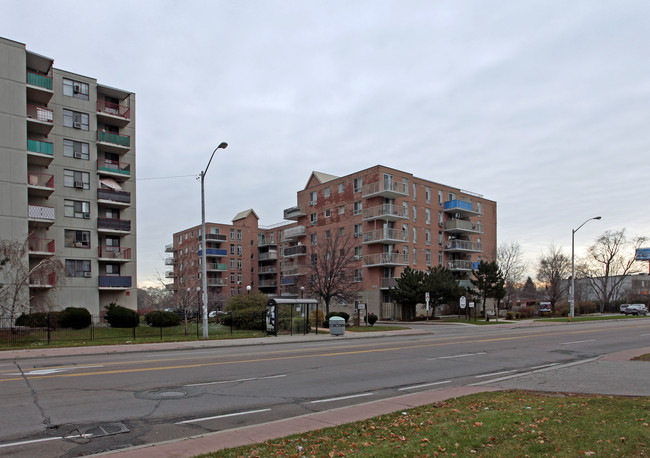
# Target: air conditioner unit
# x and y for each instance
(76, 125)
(357, 235)
(312, 202)
(356, 256)
(79, 184)
(77, 155)
(87, 274)
(86, 215)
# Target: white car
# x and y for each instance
(636, 309)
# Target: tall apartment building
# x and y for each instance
(394, 220)
(67, 179)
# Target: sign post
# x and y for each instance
(426, 299)
(471, 306)
(463, 304)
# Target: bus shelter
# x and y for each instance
(289, 316)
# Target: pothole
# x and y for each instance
(170, 393)
(108, 429)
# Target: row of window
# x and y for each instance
(81, 268)
(81, 239)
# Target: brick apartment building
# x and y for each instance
(394, 218)
(67, 180)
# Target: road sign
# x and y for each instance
(642, 254)
(361, 306)
(471, 305)
(463, 302)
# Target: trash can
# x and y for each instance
(337, 326)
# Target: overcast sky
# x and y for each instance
(542, 106)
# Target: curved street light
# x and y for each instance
(204, 274)
(573, 273)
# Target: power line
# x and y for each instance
(165, 178)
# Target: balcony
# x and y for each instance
(170, 274)
(217, 282)
(39, 119)
(462, 246)
(389, 282)
(113, 225)
(390, 189)
(294, 232)
(113, 253)
(216, 267)
(386, 236)
(462, 266)
(40, 247)
(40, 214)
(39, 153)
(113, 197)
(114, 113)
(462, 207)
(266, 242)
(268, 256)
(109, 282)
(384, 259)
(214, 252)
(287, 281)
(116, 169)
(39, 87)
(268, 284)
(113, 141)
(170, 261)
(294, 213)
(39, 184)
(461, 225)
(214, 238)
(293, 251)
(39, 80)
(42, 281)
(266, 270)
(169, 248)
(386, 212)
(294, 271)
(171, 287)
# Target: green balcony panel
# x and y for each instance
(39, 80)
(36, 146)
(112, 137)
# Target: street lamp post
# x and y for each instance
(573, 272)
(204, 274)
(248, 289)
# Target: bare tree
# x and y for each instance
(609, 261)
(512, 266)
(554, 267)
(331, 270)
(17, 273)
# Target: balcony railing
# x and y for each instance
(217, 252)
(268, 284)
(109, 281)
(114, 224)
(288, 281)
(293, 213)
(40, 245)
(461, 206)
(42, 180)
(37, 79)
(462, 265)
(384, 259)
(114, 109)
(390, 282)
(41, 212)
(461, 225)
(216, 266)
(294, 232)
(386, 188)
(113, 195)
(169, 248)
(268, 256)
(114, 252)
(40, 114)
(170, 261)
(214, 238)
(293, 271)
(36, 146)
(170, 274)
(298, 250)
(385, 235)
(114, 138)
(108, 165)
(268, 270)
(42, 281)
(386, 211)
(462, 245)
(217, 282)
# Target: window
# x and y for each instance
(357, 184)
(428, 215)
(232, 277)
(440, 218)
(479, 226)
(427, 237)
(239, 264)
(405, 183)
(232, 291)
(313, 197)
(78, 150)
(327, 191)
(75, 89)
(479, 208)
(232, 264)
(313, 259)
(328, 213)
(358, 275)
(239, 279)
(358, 206)
(341, 231)
(328, 234)
(427, 259)
(76, 209)
(415, 235)
(77, 268)
(406, 209)
(452, 196)
(232, 249)
(113, 269)
(440, 258)
(77, 239)
(406, 254)
(239, 235)
(113, 213)
(415, 192)
(341, 188)
(232, 234)
(76, 179)
(415, 214)
(358, 252)
(427, 194)
(357, 230)
(313, 218)
(439, 197)
(113, 244)
(440, 238)
(415, 256)
(313, 239)
(75, 119)
(239, 250)
(342, 210)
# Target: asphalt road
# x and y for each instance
(84, 404)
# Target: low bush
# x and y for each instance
(75, 318)
(160, 319)
(586, 307)
(298, 325)
(326, 323)
(372, 319)
(316, 320)
(121, 317)
(37, 320)
(510, 315)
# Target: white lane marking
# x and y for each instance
(216, 417)
(414, 387)
(54, 370)
(495, 373)
(460, 356)
(237, 381)
(644, 335)
(47, 439)
(577, 342)
(342, 398)
(542, 366)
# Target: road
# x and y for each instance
(84, 404)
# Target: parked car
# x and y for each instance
(636, 309)
(623, 308)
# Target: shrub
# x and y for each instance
(585, 307)
(298, 324)
(121, 317)
(326, 323)
(372, 319)
(75, 318)
(344, 315)
(510, 316)
(36, 320)
(160, 319)
(316, 322)
(248, 311)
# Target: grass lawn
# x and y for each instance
(498, 424)
(590, 318)
(375, 328)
